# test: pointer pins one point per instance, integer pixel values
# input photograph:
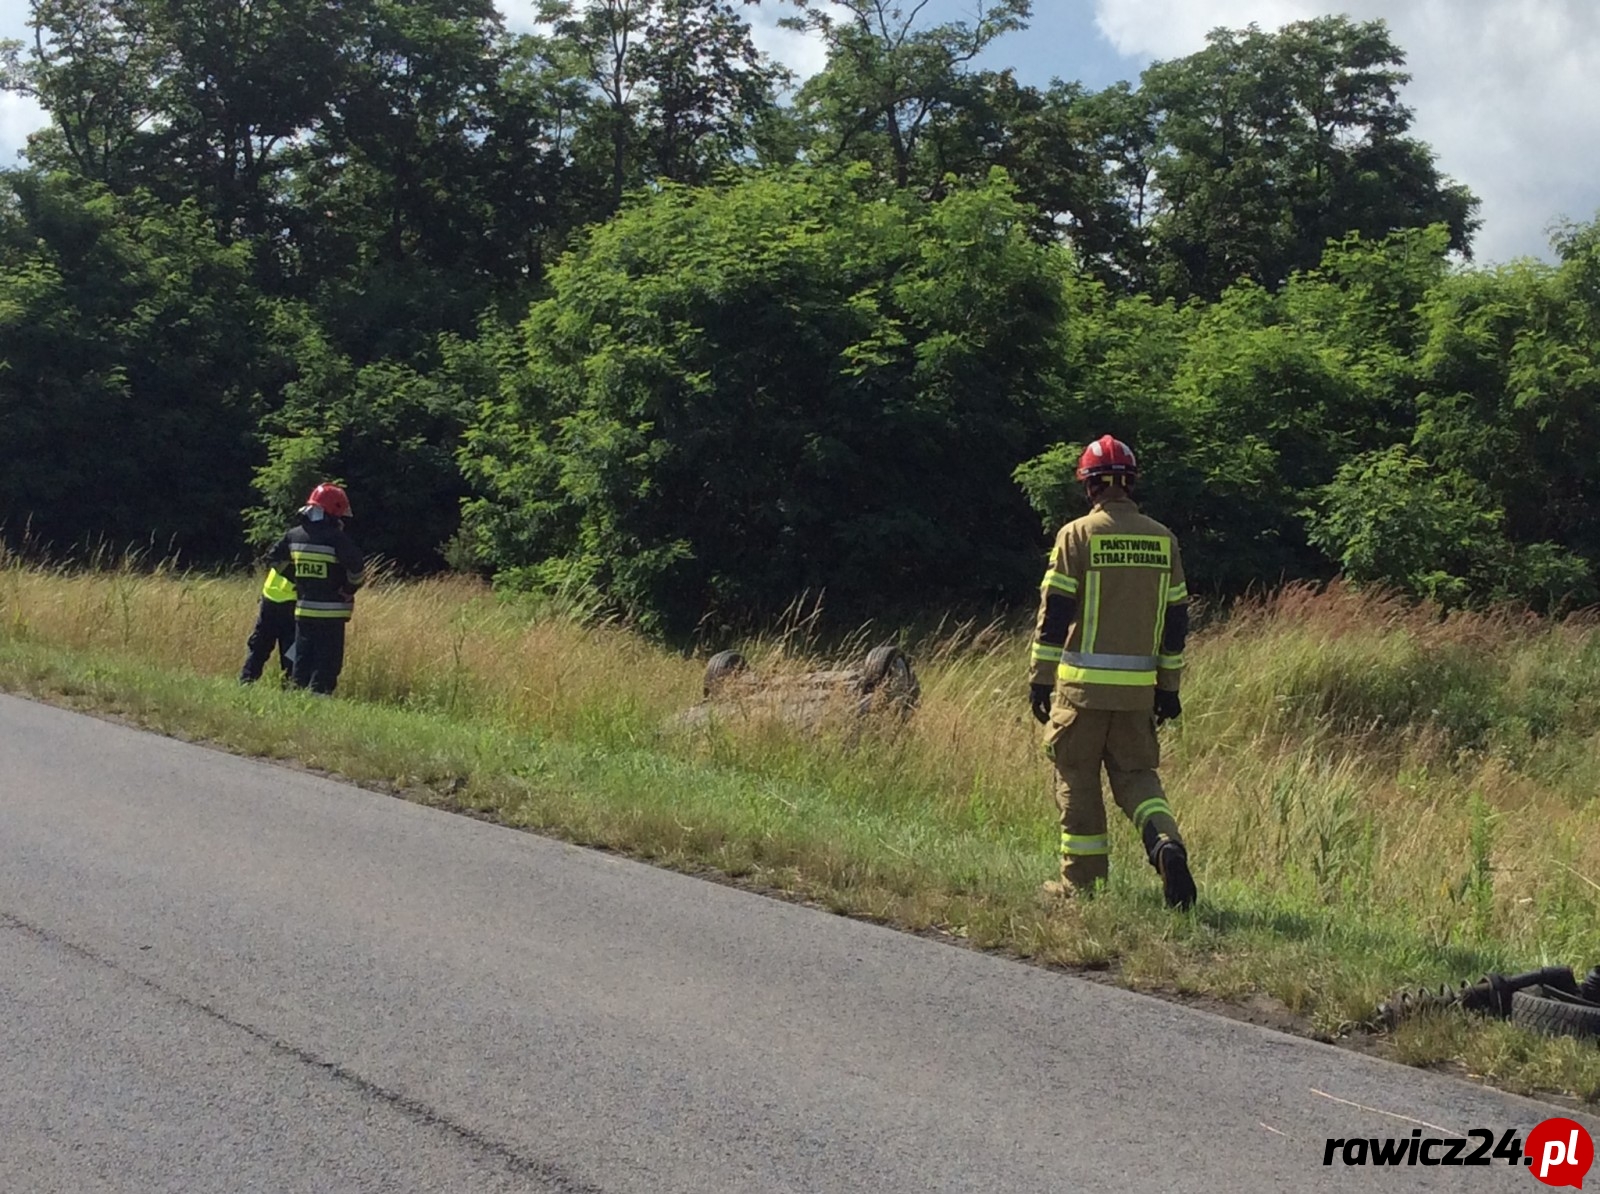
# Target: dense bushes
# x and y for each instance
(133, 352)
(692, 352)
(794, 384)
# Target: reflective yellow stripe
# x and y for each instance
(1177, 593)
(277, 588)
(1080, 844)
(1161, 613)
(1171, 663)
(1060, 582)
(1046, 654)
(1095, 675)
(1149, 809)
(312, 551)
(1091, 612)
(324, 609)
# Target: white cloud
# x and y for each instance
(803, 53)
(800, 52)
(1168, 28)
(19, 116)
(520, 15)
(1504, 91)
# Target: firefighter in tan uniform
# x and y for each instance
(1107, 657)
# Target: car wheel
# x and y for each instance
(1555, 1013)
(888, 676)
(722, 666)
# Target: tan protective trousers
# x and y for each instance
(1081, 742)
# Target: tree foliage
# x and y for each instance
(892, 81)
(388, 432)
(675, 87)
(1394, 518)
(135, 353)
(671, 333)
(1273, 143)
(731, 397)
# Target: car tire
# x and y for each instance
(889, 676)
(723, 666)
(1555, 1013)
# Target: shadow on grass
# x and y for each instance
(1373, 942)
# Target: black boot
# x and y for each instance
(1171, 861)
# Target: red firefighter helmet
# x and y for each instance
(331, 499)
(1107, 457)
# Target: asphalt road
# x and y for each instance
(220, 975)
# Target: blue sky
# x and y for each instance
(1506, 91)
(1063, 41)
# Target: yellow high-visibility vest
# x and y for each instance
(278, 588)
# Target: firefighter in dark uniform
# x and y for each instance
(274, 629)
(1107, 659)
(326, 570)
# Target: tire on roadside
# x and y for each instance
(889, 680)
(723, 666)
(1555, 1013)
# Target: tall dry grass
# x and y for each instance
(443, 645)
(1371, 790)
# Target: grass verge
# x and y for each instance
(1375, 797)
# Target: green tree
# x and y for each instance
(1084, 160)
(1509, 391)
(375, 137)
(388, 432)
(137, 357)
(709, 85)
(1394, 519)
(677, 87)
(189, 99)
(891, 79)
(403, 178)
(1245, 410)
(1274, 143)
(730, 398)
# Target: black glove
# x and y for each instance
(1168, 706)
(1039, 696)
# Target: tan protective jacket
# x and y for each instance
(1116, 580)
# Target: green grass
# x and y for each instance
(1375, 797)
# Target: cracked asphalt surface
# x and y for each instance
(221, 975)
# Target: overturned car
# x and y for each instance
(883, 684)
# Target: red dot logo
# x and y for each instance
(1559, 1152)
